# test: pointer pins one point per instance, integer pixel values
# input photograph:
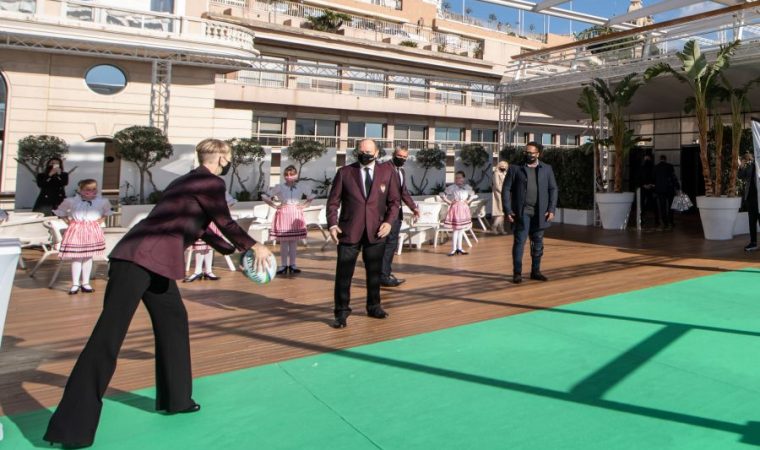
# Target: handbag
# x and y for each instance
(681, 202)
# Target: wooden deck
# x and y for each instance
(236, 324)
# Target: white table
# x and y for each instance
(10, 249)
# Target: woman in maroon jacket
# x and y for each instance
(144, 265)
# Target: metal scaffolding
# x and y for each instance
(160, 90)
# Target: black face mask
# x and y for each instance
(365, 158)
(531, 158)
(225, 169)
(399, 162)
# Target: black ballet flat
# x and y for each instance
(87, 290)
(74, 290)
(294, 269)
(282, 271)
(193, 277)
(210, 276)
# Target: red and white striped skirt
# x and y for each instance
(458, 217)
(82, 239)
(289, 224)
(200, 245)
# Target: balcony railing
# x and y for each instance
(19, 6)
(277, 11)
(490, 25)
(279, 141)
(272, 73)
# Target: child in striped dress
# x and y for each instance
(84, 239)
(458, 196)
(289, 225)
(204, 254)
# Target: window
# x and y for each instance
(483, 95)
(372, 130)
(272, 74)
(268, 130)
(412, 136)
(449, 92)
(316, 127)
(484, 135)
(410, 88)
(448, 134)
(106, 79)
(568, 139)
(319, 76)
(547, 139)
(365, 83)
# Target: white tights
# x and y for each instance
(456, 240)
(288, 253)
(81, 268)
(206, 258)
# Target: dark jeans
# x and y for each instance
(663, 208)
(752, 213)
(76, 418)
(372, 254)
(649, 204)
(391, 245)
(526, 226)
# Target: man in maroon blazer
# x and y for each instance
(367, 194)
(144, 265)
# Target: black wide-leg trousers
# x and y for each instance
(76, 418)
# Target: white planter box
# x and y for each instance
(577, 216)
(718, 215)
(614, 209)
(10, 249)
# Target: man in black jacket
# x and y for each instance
(748, 174)
(529, 196)
(665, 187)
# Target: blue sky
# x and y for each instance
(605, 8)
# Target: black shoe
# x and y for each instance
(282, 271)
(66, 445)
(538, 276)
(210, 276)
(462, 252)
(455, 252)
(390, 282)
(87, 289)
(193, 277)
(294, 269)
(751, 247)
(74, 289)
(190, 409)
(517, 278)
(339, 322)
(378, 313)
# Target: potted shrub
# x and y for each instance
(428, 158)
(35, 151)
(614, 207)
(145, 147)
(247, 151)
(717, 213)
(329, 21)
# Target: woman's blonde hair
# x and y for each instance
(207, 148)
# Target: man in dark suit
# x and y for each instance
(387, 278)
(529, 196)
(747, 173)
(144, 265)
(367, 195)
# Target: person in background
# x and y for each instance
(387, 279)
(529, 196)
(665, 186)
(84, 239)
(52, 183)
(289, 224)
(748, 174)
(458, 196)
(497, 210)
(204, 253)
(648, 198)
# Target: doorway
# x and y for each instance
(111, 167)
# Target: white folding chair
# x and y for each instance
(53, 227)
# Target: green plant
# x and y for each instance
(617, 101)
(615, 49)
(243, 196)
(154, 197)
(35, 151)
(322, 187)
(702, 78)
(329, 21)
(427, 158)
(739, 103)
(144, 146)
(247, 151)
(492, 17)
(304, 151)
(476, 157)
(745, 145)
(588, 102)
(412, 44)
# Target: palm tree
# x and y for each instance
(588, 102)
(492, 18)
(739, 102)
(616, 101)
(702, 77)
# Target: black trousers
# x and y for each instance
(752, 213)
(527, 227)
(372, 255)
(664, 201)
(76, 418)
(391, 245)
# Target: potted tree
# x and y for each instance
(426, 159)
(247, 151)
(615, 206)
(145, 147)
(329, 21)
(35, 151)
(717, 213)
(304, 151)
(476, 157)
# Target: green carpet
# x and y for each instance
(671, 367)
